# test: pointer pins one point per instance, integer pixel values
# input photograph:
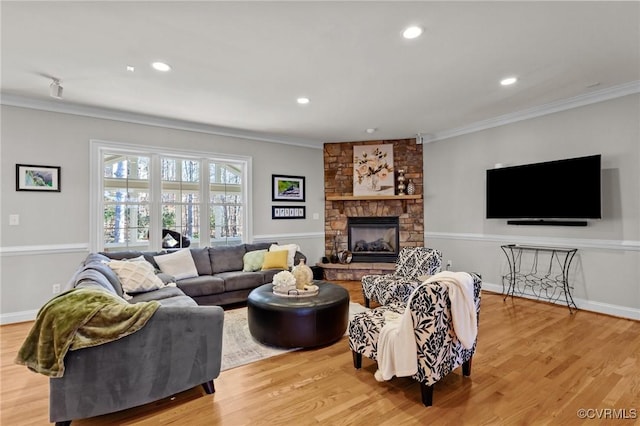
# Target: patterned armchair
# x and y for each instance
(412, 263)
(438, 349)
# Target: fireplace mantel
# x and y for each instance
(372, 197)
(403, 198)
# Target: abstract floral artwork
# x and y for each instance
(373, 170)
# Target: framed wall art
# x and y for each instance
(288, 212)
(287, 188)
(37, 178)
(373, 170)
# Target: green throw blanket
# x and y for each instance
(77, 319)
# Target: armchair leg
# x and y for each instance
(427, 394)
(63, 423)
(466, 367)
(357, 359)
(208, 387)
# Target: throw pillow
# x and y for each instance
(136, 277)
(275, 260)
(291, 251)
(253, 260)
(180, 264)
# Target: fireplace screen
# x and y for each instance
(373, 239)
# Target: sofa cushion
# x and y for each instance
(127, 255)
(275, 260)
(267, 276)
(201, 286)
(136, 276)
(108, 273)
(201, 259)
(226, 258)
(95, 257)
(253, 260)
(258, 246)
(122, 255)
(180, 264)
(89, 277)
(164, 296)
(240, 280)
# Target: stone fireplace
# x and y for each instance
(341, 206)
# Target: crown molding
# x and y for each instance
(129, 117)
(550, 108)
(150, 120)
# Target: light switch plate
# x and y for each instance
(14, 220)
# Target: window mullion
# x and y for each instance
(155, 205)
(205, 231)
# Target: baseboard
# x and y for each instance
(585, 305)
(15, 317)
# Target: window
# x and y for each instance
(126, 200)
(158, 199)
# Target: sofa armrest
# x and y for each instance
(439, 350)
(178, 348)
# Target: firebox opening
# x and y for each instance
(374, 239)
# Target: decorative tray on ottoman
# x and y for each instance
(309, 290)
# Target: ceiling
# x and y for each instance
(238, 67)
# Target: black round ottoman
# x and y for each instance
(298, 322)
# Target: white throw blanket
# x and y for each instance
(397, 352)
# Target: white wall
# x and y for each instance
(606, 271)
(53, 235)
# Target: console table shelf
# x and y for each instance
(548, 275)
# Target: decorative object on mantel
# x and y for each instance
(411, 187)
(373, 170)
(401, 181)
(336, 243)
(345, 257)
(303, 275)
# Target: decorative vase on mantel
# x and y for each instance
(401, 180)
(411, 187)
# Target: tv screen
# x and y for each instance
(562, 189)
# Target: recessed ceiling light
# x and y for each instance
(412, 32)
(303, 101)
(508, 81)
(371, 130)
(131, 68)
(161, 66)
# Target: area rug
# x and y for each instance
(239, 348)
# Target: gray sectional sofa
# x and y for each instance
(221, 280)
(179, 348)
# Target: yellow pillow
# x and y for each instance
(275, 260)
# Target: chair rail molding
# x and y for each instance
(44, 249)
(581, 243)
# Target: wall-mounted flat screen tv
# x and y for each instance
(562, 189)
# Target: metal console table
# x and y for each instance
(540, 281)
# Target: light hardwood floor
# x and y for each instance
(535, 364)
